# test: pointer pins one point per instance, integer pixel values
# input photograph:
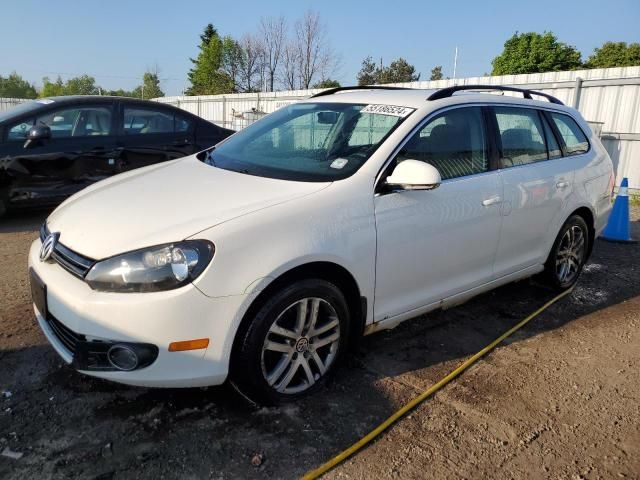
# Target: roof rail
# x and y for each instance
(331, 91)
(449, 91)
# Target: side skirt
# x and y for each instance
(453, 300)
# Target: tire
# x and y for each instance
(3, 208)
(568, 255)
(276, 357)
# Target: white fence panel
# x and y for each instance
(7, 103)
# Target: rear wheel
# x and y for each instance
(568, 255)
(292, 344)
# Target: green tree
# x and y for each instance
(82, 85)
(150, 87)
(615, 54)
(14, 86)
(533, 53)
(52, 89)
(397, 72)
(233, 61)
(207, 76)
(327, 83)
(436, 73)
(119, 93)
(367, 74)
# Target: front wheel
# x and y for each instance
(292, 344)
(568, 255)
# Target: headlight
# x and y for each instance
(152, 269)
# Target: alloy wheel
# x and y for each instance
(570, 254)
(301, 345)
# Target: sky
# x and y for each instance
(116, 41)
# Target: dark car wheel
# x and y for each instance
(3, 208)
(293, 343)
(568, 255)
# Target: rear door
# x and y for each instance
(150, 134)
(537, 183)
(82, 150)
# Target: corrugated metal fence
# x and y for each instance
(7, 103)
(608, 98)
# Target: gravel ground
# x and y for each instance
(560, 399)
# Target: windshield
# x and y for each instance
(311, 142)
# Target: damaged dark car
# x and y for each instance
(53, 147)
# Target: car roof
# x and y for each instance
(417, 98)
(38, 104)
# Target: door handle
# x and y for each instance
(562, 184)
(491, 201)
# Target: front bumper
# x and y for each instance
(157, 318)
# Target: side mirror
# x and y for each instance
(37, 134)
(414, 175)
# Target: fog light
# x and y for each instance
(123, 357)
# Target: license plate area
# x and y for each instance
(38, 292)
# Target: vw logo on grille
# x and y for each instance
(48, 246)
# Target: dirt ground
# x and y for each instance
(560, 399)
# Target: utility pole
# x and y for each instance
(455, 62)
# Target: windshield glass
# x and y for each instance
(311, 142)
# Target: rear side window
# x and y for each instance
(552, 144)
(144, 121)
(453, 142)
(521, 136)
(574, 139)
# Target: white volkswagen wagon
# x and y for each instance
(261, 259)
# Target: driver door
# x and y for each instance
(81, 151)
(432, 244)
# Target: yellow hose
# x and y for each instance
(341, 457)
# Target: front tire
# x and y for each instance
(292, 344)
(568, 255)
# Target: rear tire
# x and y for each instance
(568, 255)
(292, 344)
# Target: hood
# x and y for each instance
(164, 203)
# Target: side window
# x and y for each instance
(141, 121)
(77, 122)
(552, 144)
(521, 136)
(453, 142)
(574, 139)
(18, 131)
(182, 124)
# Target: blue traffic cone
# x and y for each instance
(618, 228)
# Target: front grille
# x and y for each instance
(67, 337)
(71, 261)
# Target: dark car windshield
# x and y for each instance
(311, 142)
(25, 107)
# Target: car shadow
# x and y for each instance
(25, 221)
